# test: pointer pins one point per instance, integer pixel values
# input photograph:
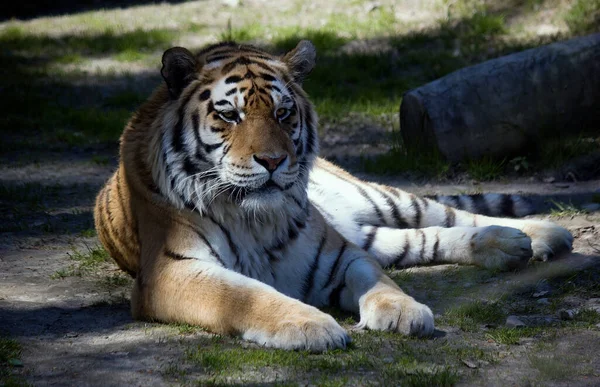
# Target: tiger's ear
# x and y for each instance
(301, 60)
(178, 68)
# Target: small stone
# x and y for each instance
(543, 301)
(540, 294)
(567, 314)
(550, 179)
(469, 363)
(514, 322)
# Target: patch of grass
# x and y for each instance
(485, 168)
(469, 316)
(187, 329)
(10, 356)
(9, 349)
(555, 152)
(115, 280)
(511, 336)
(589, 317)
(85, 262)
(400, 160)
(109, 41)
(553, 367)
(563, 210)
(584, 16)
(434, 376)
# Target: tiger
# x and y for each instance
(226, 218)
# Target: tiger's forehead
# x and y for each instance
(246, 78)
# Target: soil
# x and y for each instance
(75, 327)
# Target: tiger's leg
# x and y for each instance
(493, 247)
(206, 294)
(349, 204)
(357, 283)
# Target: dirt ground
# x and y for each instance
(77, 330)
(67, 304)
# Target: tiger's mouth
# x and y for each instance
(268, 188)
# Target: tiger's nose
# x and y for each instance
(270, 163)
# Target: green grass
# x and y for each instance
(564, 210)
(85, 262)
(400, 159)
(10, 357)
(109, 41)
(388, 357)
(469, 317)
(485, 168)
(584, 16)
(511, 336)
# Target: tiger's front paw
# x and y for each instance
(548, 239)
(497, 247)
(396, 312)
(306, 329)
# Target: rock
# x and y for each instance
(469, 363)
(540, 294)
(543, 301)
(567, 314)
(514, 322)
(562, 185)
(550, 179)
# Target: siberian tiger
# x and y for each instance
(224, 215)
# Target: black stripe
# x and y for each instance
(398, 261)
(364, 194)
(232, 246)
(272, 257)
(189, 167)
(212, 251)
(334, 296)
(507, 207)
(218, 57)
(173, 255)
(233, 79)
(222, 102)
(423, 242)
(370, 238)
(450, 217)
(415, 204)
(436, 247)
(480, 204)
(309, 280)
(232, 91)
(335, 264)
(178, 129)
(399, 222)
(204, 95)
(267, 77)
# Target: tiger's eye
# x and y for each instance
(230, 115)
(282, 113)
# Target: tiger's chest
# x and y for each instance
(278, 255)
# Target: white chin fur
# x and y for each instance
(263, 202)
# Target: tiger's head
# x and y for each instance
(237, 128)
